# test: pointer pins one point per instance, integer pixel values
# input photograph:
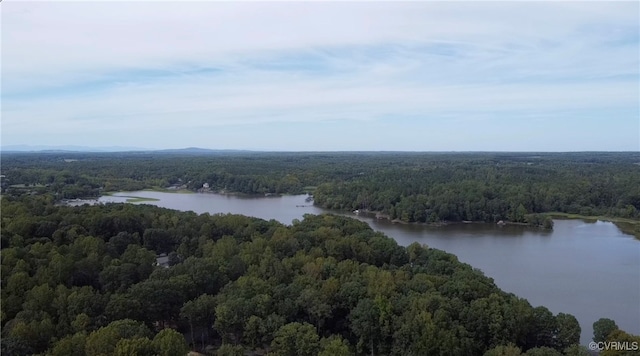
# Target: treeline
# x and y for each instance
(256, 173)
(84, 281)
(516, 189)
(410, 187)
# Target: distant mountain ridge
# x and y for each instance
(197, 150)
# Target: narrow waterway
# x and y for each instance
(590, 270)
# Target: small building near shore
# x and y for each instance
(162, 260)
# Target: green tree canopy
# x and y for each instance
(602, 328)
(169, 342)
(295, 339)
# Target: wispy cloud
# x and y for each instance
(85, 68)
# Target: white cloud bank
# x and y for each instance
(81, 68)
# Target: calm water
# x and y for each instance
(590, 270)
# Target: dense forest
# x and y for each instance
(86, 281)
(128, 279)
(406, 187)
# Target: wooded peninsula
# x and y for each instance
(406, 187)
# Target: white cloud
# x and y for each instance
(59, 41)
(70, 66)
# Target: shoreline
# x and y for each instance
(380, 216)
(626, 225)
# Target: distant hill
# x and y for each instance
(196, 150)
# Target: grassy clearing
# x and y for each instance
(130, 198)
(591, 217)
(139, 199)
(626, 225)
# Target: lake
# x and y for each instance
(590, 270)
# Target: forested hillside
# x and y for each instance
(84, 281)
(409, 187)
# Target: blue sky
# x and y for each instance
(406, 76)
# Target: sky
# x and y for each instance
(322, 76)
